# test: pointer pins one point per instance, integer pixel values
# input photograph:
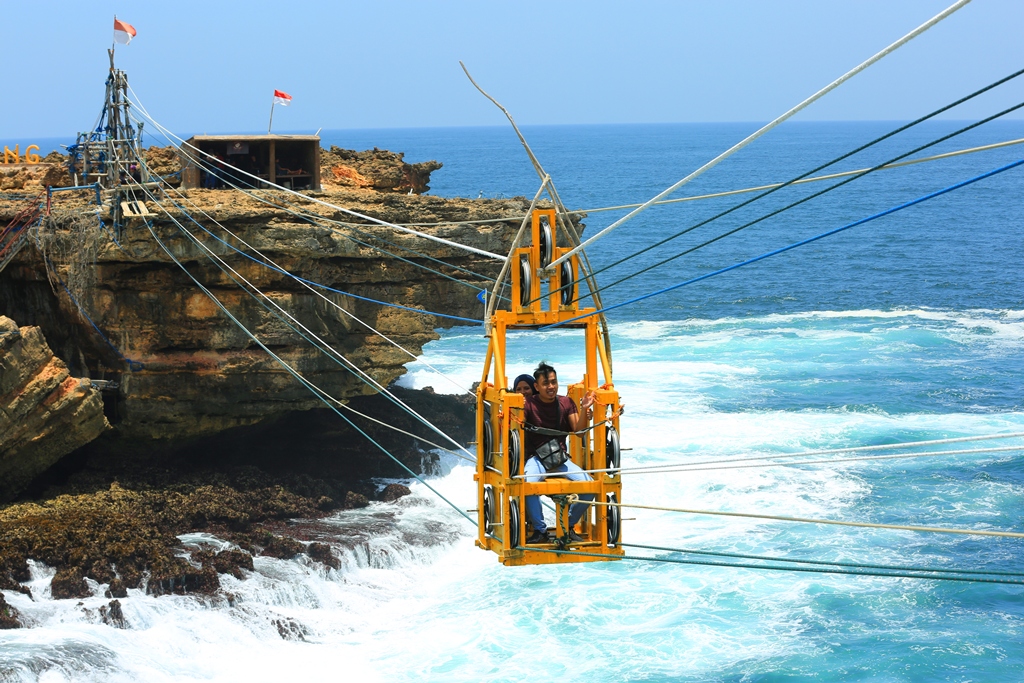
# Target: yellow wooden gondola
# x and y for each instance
(501, 488)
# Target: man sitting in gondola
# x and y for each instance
(550, 411)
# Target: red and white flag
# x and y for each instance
(282, 98)
(123, 32)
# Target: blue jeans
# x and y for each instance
(572, 472)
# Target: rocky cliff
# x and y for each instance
(174, 367)
(376, 169)
(45, 413)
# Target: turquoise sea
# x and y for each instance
(907, 328)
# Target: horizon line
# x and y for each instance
(299, 131)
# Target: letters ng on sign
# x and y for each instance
(14, 157)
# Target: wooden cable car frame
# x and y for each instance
(500, 437)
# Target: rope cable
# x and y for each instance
(716, 463)
(309, 385)
(799, 181)
(308, 283)
(802, 178)
(600, 209)
(315, 200)
(852, 565)
(840, 461)
(329, 223)
(784, 208)
(808, 520)
(832, 461)
(775, 252)
(769, 126)
(322, 345)
(813, 570)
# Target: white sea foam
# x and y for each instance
(415, 600)
(647, 329)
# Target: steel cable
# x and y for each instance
(781, 250)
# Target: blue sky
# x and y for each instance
(212, 66)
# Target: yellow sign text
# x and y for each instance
(15, 156)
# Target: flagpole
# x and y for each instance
(113, 42)
(269, 125)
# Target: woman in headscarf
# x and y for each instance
(525, 385)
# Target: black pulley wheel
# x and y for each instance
(514, 450)
(489, 510)
(568, 284)
(613, 453)
(488, 443)
(614, 520)
(512, 525)
(547, 242)
(525, 280)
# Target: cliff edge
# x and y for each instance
(173, 367)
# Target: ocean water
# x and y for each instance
(907, 328)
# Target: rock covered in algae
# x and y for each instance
(8, 615)
(113, 615)
(129, 538)
(393, 492)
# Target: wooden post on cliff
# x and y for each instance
(272, 171)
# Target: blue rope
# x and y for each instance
(783, 209)
(317, 284)
(808, 173)
(792, 246)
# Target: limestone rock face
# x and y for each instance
(45, 413)
(376, 169)
(31, 178)
(195, 373)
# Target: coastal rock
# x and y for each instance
(193, 372)
(207, 432)
(181, 578)
(393, 492)
(232, 562)
(69, 583)
(119, 532)
(264, 542)
(8, 615)
(113, 615)
(290, 629)
(135, 531)
(45, 413)
(33, 178)
(164, 162)
(375, 169)
(322, 553)
(356, 500)
(116, 589)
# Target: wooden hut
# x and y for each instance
(289, 160)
